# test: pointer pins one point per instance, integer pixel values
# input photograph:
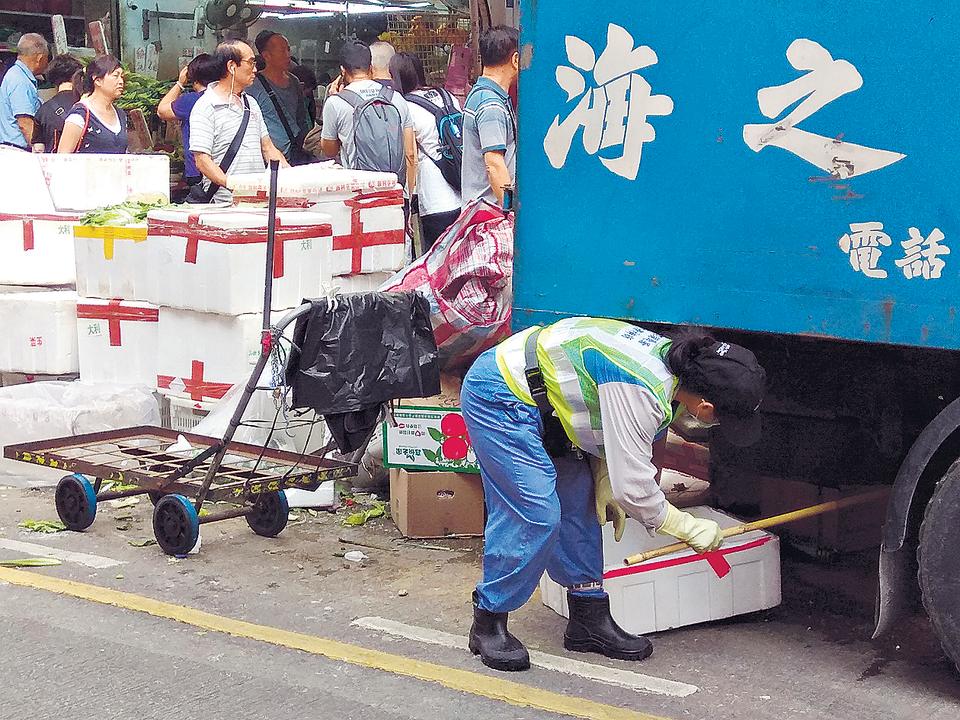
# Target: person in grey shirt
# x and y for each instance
(337, 133)
(276, 77)
(216, 119)
(489, 124)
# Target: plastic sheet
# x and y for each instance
(353, 353)
(46, 410)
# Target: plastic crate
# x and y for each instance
(182, 415)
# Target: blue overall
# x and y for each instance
(540, 511)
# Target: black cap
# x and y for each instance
(729, 377)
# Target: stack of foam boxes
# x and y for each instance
(366, 212)
(187, 291)
(38, 210)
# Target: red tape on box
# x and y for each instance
(29, 239)
(716, 560)
(194, 232)
(195, 385)
(114, 312)
(357, 240)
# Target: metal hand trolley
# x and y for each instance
(179, 482)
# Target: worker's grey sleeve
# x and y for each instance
(630, 417)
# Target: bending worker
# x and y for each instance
(536, 407)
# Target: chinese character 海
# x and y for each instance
(922, 255)
(613, 111)
(824, 81)
(862, 245)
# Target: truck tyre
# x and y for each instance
(939, 562)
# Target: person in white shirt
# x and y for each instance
(438, 202)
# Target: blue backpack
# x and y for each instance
(450, 128)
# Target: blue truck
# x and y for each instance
(784, 173)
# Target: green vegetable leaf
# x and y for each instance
(30, 562)
(435, 434)
(430, 455)
(141, 543)
(43, 526)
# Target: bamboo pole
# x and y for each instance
(763, 524)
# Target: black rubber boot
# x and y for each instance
(592, 629)
(490, 639)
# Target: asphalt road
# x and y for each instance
(65, 657)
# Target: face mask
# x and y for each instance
(691, 420)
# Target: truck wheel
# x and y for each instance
(939, 562)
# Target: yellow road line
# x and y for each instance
(465, 681)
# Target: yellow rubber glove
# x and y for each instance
(607, 508)
(700, 534)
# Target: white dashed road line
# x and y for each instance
(94, 561)
(600, 673)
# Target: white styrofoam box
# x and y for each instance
(309, 184)
(215, 261)
(366, 210)
(682, 490)
(369, 231)
(37, 249)
(117, 341)
(112, 262)
(29, 193)
(87, 181)
(202, 355)
(683, 588)
(40, 332)
(45, 410)
(365, 282)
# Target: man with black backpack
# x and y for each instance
(367, 124)
(438, 125)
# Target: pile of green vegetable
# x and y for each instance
(141, 92)
(132, 212)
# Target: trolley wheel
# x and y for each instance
(76, 502)
(155, 496)
(269, 514)
(175, 524)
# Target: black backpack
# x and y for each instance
(450, 128)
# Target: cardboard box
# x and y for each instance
(686, 457)
(37, 249)
(10, 379)
(40, 332)
(429, 433)
(850, 530)
(436, 504)
(118, 341)
(213, 261)
(683, 588)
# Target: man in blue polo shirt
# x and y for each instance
(19, 100)
(489, 123)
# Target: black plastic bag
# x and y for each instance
(353, 353)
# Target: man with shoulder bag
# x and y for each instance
(281, 99)
(228, 135)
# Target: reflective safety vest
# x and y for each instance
(577, 355)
